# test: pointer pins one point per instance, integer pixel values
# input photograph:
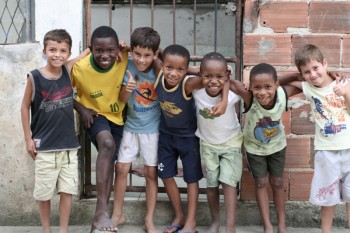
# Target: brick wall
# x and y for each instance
(273, 31)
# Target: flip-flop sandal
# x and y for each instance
(177, 227)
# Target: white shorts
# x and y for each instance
(331, 180)
(133, 144)
(55, 170)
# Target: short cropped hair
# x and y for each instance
(58, 35)
(145, 37)
(307, 53)
(263, 68)
(104, 32)
(213, 56)
(176, 49)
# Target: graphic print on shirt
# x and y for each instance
(56, 99)
(266, 129)
(145, 96)
(332, 122)
(170, 108)
(206, 113)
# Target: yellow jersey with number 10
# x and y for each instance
(99, 89)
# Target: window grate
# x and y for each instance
(14, 19)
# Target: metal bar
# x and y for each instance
(199, 58)
(174, 22)
(28, 21)
(239, 27)
(131, 15)
(195, 27)
(86, 152)
(215, 25)
(110, 13)
(87, 22)
(152, 14)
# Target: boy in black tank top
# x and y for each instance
(50, 135)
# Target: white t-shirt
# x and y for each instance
(216, 129)
(332, 120)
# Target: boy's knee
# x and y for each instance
(276, 182)
(106, 144)
(261, 183)
(151, 172)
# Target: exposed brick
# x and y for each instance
(330, 17)
(298, 152)
(312, 152)
(272, 49)
(346, 51)
(300, 182)
(286, 117)
(251, 9)
(300, 123)
(248, 186)
(328, 44)
(281, 15)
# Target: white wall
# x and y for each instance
(17, 204)
(60, 14)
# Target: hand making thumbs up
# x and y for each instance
(131, 84)
(340, 88)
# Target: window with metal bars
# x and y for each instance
(15, 26)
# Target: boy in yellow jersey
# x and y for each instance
(98, 79)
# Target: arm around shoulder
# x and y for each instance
(71, 62)
(238, 88)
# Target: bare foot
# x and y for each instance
(214, 228)
(118, 220)
(283, 230)
(231, 230)
(102, 222)
(150, 229)
(268, 229)
(47, 229)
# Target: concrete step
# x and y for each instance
(138, 229)
(299, 214)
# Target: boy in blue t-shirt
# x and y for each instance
(140, 135)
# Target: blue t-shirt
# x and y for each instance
(143, 113)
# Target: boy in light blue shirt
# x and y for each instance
(140, 135)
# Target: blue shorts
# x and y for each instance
(101, 123)
(170, 148)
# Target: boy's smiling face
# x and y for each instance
(264, 88)
(214, 74)
(315, 73)
(105, 51)
(143, 58)
(174, 68)
(57, 53)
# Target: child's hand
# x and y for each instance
(131, 84)
(86, 116)
(336, 74)
(31, 149)
(219, 109)
(230, 71)
(123, 46)
(341, 86)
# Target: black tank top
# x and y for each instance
(52, 122)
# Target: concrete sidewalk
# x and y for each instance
(138, 229)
